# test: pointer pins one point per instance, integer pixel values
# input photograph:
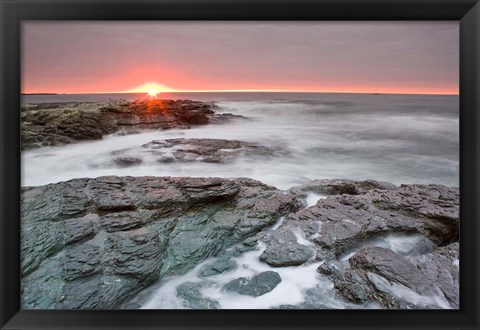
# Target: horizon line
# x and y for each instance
(250, 91)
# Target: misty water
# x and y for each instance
(394, 138)
(296, 280)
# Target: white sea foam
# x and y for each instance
(290, 291)
(319, 229)
(300, 236)
(436, 298)
(399, 139)
(312, 198)
(406, 244)
(359, 140)
(277, 224)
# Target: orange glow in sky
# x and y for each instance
(154, 88)
(166, 57)
(151, 88)
(123, 84)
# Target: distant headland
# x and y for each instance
(41, 94)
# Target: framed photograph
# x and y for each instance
(240, 164)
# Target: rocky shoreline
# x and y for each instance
(94, 243)
(51, 124)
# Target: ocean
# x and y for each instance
(394, 138)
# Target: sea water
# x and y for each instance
(394, 138)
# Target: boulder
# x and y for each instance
(191, 297)
(93, 243)
(194, 150)
(63, 123)
(342, 223)
(395, 281)
(219, 266)
(348, 228)
(258, 285)
(340, 187)
(284, 250)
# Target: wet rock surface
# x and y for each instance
(92, 243)
(340, 223)
(63, 123)
(195, 150)
(340, 187)
(348, 228)
(219, 266)
(258, 285)
(191, 297)
(394, 281)
(283, 250)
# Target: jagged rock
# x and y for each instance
(191, 297)
(258, 285)
(395, 281)
(92, 243)
(77, 229)
(355, 218)
(125, 161)
(219, 266)
(339, 224)
(389, 265)
(222, 118)
(82, 261)
(442, 267)
(315, 298)
(120, 221)
(64, 123)
(194, 150)
(340, 187)
(283, 250)
(332, 268)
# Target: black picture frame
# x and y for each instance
(467, 12)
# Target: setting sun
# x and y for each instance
(152, 92)
(152, 89)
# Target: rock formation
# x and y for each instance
(194, 150)
(93, 243)
(50, 124)
(345, 230)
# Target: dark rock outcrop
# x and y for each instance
(394, 281)
(191, 297)
(284, 250)
(92, 243)
(63, 123)
(258, 285)
(219, 266)
(357, 218)
(340, 223)
(340, 187)
(194, 150)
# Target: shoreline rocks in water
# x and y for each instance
(258, 285)
(50, 124)
(347, 231)
(91, 243)
(94, 243)
(185, 150)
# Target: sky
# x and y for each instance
(325, 56)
